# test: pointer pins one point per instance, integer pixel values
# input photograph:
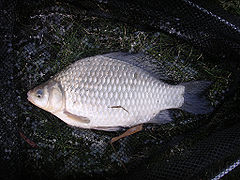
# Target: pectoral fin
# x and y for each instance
(76, 117)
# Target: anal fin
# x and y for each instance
(162, 117)
(76, 117)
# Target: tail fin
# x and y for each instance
(194, 100)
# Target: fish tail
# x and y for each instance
(194, 100)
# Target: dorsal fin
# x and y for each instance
(145, 62)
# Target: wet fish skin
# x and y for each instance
(104, 93)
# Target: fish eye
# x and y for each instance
(39, 93)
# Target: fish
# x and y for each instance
(108, 92)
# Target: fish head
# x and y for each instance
(47, 96)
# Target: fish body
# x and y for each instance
(102, 92)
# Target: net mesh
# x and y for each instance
(40, 38)
(193, 21)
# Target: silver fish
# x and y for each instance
(106, 92)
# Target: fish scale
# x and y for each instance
(115, 82)
(106, 92)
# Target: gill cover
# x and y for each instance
(56, 100)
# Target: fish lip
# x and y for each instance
(29, 98)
